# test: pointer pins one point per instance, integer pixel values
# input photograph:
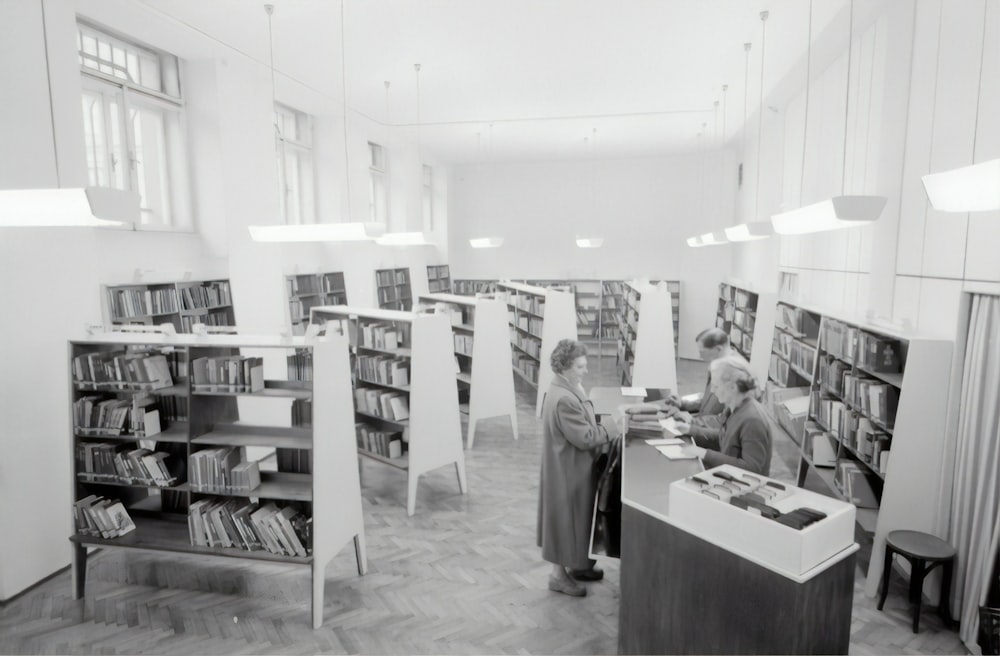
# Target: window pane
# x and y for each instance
(119, 154)
(151, 166)
(94, 139)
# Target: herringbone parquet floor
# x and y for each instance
(462, 576)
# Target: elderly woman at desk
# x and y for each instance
(745, 436)
(572, 439)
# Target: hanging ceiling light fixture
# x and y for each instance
(488, 242)
(592, 242)
(754, 230)
(843, 211)
(974, 188)
(306, 232)
(86, 207)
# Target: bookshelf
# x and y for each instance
(483, 354)
(438, 278)
(177, 403)
(747, 316)
(182, 303)
(537, 318)
(393, 290)
(793, 346)
(405, 390)
(876, 418)
(646, 341)
(473, 287)
(309, 290)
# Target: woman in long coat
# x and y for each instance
(572, 438)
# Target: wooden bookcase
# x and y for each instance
(417, 367)
(182, 303)
(473, 287)
(646, 342)
(483, 353)
(393, 289)
(747, 316)
(195, 418)
(877, 411)
(438, 279)
(538, 318)
(309, 290)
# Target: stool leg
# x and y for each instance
(916, 590)
(886, 568)
(944, 608)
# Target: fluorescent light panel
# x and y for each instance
(750, 231)
(589, 242)
(973, 188)
(837, 212)
(713, 238)
(486, 242)
(402, 239)
(695, 242)
(317, 232)
(80, 207)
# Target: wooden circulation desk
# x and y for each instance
(682, 594)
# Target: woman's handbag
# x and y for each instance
(606, 526)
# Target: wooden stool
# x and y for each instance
(924, 552)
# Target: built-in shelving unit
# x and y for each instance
(473, 287)
(183, 304)
(438, 279)
(747, 316)
(538, 318)
(482, 353)
(393, 289)
(405, 390)
(877, 407)
(162, 456)
(646, 340)
(306, 291)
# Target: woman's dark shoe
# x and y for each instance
(592, 574)
(567, 586)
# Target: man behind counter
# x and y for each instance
(702, 416)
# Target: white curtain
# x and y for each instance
(975, 511)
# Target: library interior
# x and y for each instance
(500, 327)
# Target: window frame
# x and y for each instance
(297, 149)
(378, 179)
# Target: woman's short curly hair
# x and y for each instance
(734, 369)
(565, 352)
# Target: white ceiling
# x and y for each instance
(545, 73)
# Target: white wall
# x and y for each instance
(644, 209)
(50, 280)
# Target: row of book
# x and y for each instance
(745, 320)
(797, 321)
(384, 370)
(300, 365)
(528, 303)
(102, 462)
(441, 285)
(463, 344)
(856, 484)
(872, 397)
(388, 444)
(224, 470)
(526, 366)
(832, 372)
(385, 336)
(238, 524)
(392, 277)
(232, 373)
(102, 517)
(802, 356)
(213, 318)
(300, 308)
(867, 439)
(393, 406)
(141, 369)
(880, 354)
(472, 287)
(302, 412)
(840, 340)
(530, 345)
(142, 302)
(209, 295)
(97, 415)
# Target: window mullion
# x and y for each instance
(133, 169)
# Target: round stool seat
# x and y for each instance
(920, 545)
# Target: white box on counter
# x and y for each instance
(758, 538)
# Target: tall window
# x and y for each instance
(377, 189)
(295, 165)
(428, 197)
(133, 117)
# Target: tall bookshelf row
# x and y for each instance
(163, 461)
(306, 291)
(646, 342)
(537, 318)
(438, 279)
(747, 316)
(183, 304)
(393, 289)
(467, 287)
(482, 356)
(405, 390)
(876, 415)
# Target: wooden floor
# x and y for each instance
(461, 576)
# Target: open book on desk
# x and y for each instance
(676, 452)
(669, 426)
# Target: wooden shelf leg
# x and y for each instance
(361, 553)
(318, 583)
(460, 470)
(411, 493)
(79, 570)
